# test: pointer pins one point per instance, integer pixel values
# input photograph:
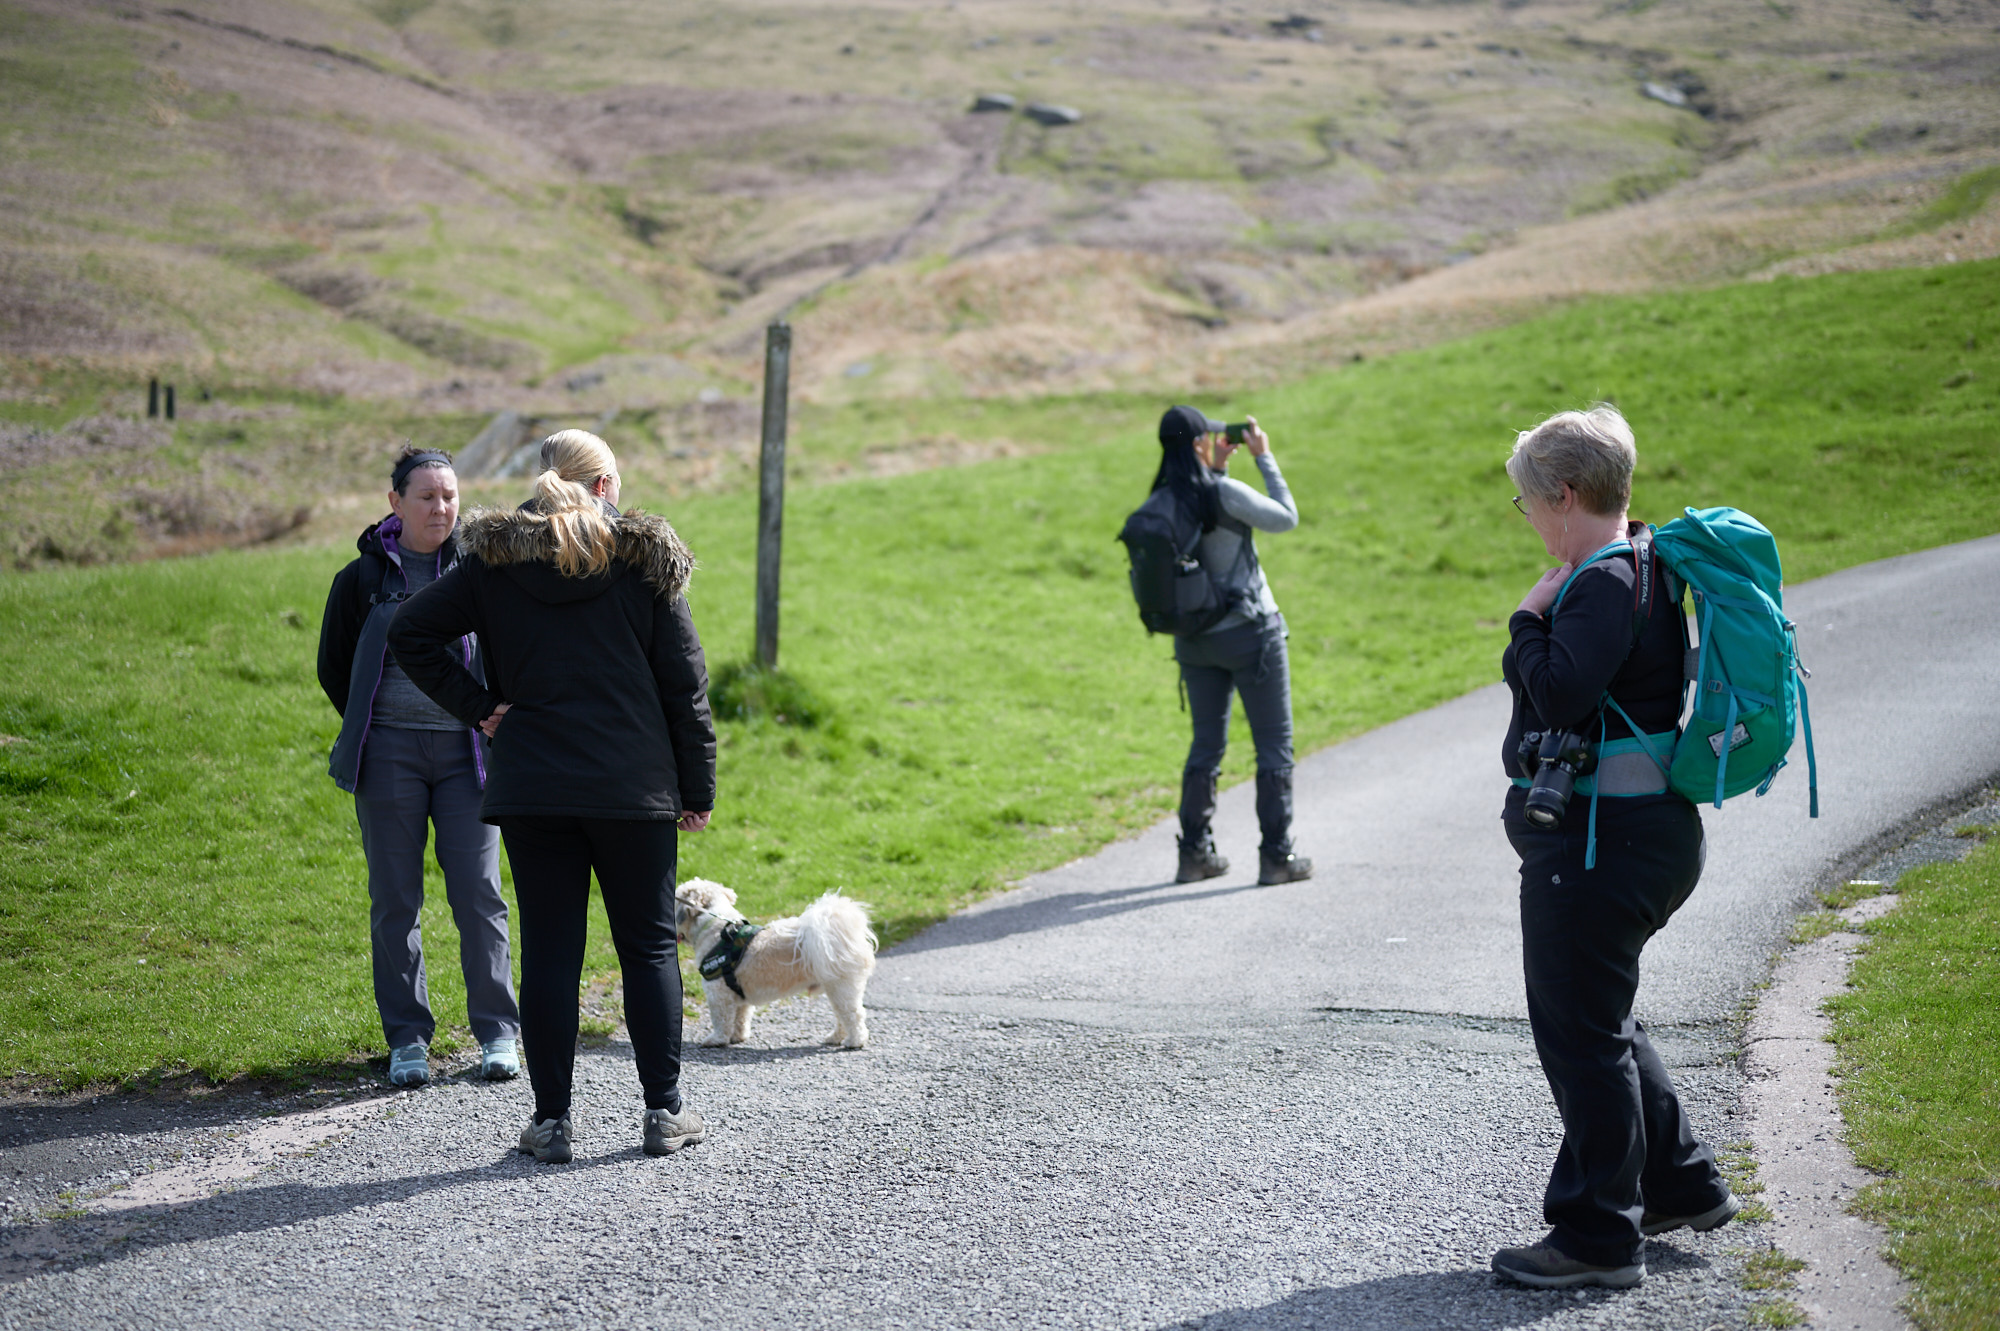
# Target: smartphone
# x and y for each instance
(1234, 431)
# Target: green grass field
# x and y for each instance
(1919, 1061)
(995, 707)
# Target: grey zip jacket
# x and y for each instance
(1229, 552)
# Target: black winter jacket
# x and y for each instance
(604, 675)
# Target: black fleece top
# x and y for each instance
(1559, 668)
(608, 689)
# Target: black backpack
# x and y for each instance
(1174, 592)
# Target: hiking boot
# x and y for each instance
(409, 1065)
(1713, 1218)
(547, 1141)
(499, 1060)
(1199, 861)
(1546, 1267)
(1283, 867)
(667, 1131)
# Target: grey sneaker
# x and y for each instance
(1545, 1267)
(499, 1060)
(547, 1141)
(409, 1065)
(667, 1132)
(1714, 1218)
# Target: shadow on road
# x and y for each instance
(27, 1250)
(1056, 912)
(1426, 1300)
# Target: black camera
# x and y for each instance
(1558, 757)
(1235, 430)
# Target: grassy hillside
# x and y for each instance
(375, 197)
(994, 706)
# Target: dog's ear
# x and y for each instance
(724, 896)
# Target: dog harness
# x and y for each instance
(728, 950)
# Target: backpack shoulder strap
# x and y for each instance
(1647, 569)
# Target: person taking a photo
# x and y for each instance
(1241, 653)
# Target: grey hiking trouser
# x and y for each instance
(411, 779)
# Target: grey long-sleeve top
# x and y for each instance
(1229, 553)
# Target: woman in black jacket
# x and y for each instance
(410, 765)
(602, 749)
(1630, 1165)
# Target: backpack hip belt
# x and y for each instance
(1624, 768)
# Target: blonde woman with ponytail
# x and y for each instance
(603, 751)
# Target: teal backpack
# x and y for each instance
(1748, 682)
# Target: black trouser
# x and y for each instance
(1627, 1145)
(552, 859)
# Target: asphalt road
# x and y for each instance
(1413, 904)
(1099, 1100)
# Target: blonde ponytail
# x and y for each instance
(572, 460)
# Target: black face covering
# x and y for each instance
(428, 458)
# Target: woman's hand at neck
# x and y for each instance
(1572, 534)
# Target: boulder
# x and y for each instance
(1660, 92)
(1043, 113)
(994, 101)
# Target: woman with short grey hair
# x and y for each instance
(1585, 666)
(412, 766)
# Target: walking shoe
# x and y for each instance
(667, 1132)
(1714, 1218)
(1199, 861)
(1545, 1267)
(499, 1060)
(547, 1141)
(409, 1065)
(1285, 868)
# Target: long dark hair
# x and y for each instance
(1183, 471)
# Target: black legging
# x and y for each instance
(552, 858)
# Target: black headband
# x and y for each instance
(427, 458)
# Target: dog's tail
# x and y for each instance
(835, 938)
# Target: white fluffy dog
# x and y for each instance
(829, 948)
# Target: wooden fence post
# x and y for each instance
(771, 489)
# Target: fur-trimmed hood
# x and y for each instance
(502, 538)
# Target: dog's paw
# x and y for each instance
(712, 1041)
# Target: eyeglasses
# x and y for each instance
(1520, 507)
